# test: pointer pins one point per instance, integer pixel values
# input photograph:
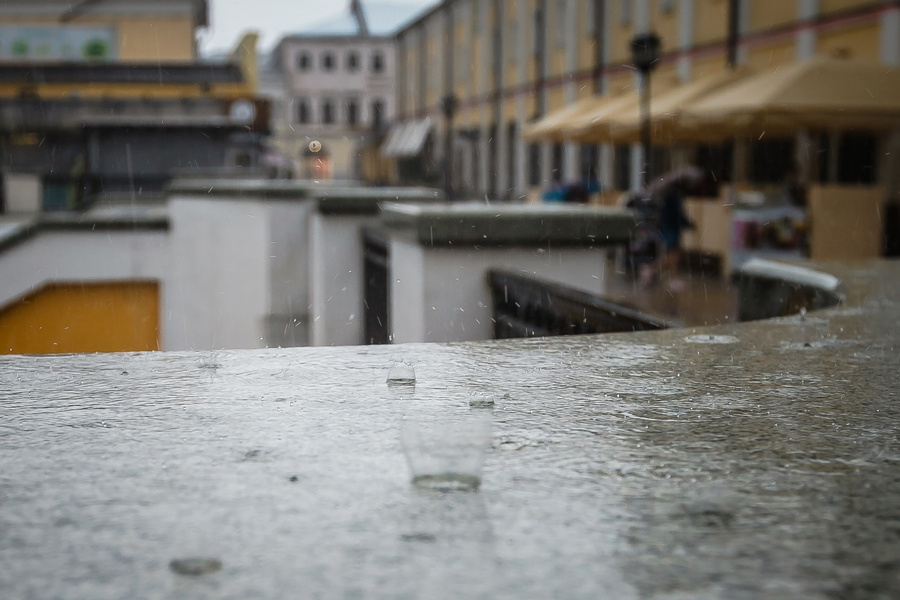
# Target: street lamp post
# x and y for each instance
(645, 53)
(448, 107)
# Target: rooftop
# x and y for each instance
(738, 461)
(382, 19)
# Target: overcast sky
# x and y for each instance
(229, 19)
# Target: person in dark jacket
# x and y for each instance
(672, 221)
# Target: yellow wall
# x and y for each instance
(156, 39)
(767, 15)
(141, 39)
(666, 26)
(772, 55)
(89, 317)
(620, 36)
(126, 90)
(860, 42)
(710, 21)
(708, 65)
(832, 6)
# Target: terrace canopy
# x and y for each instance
(667, 107)
(578, 121)
(554, 124)
(818, 94)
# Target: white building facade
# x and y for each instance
(339, 90)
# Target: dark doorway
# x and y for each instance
(375, 293)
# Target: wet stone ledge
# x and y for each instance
(480, 224)
(743, 461)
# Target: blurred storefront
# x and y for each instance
(109, 99)
(550, 89)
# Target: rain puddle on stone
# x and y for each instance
(401, 374)
(447, 482)
(195, 567)
(711, 339)
(481, 400)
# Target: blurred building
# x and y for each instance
(473, 74)
(339, 85)
(107, 98)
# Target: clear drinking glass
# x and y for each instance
(446, 454)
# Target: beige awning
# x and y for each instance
(593, 126)
(406, 139)
(667, 107)
(818, 94)
(553, 125)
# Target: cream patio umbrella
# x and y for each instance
(592, 126)
(560, 124)
(818, 94)
(666, 108)
(550, 126)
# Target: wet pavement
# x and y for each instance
(737, 461)
(702, 299)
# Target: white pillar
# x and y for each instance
(685, 38)
(890, 36)
(641, 16)
(571, 162)
(637, 167)
(806, 36)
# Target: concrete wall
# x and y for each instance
(288, 253)
(73, 256)
(442, 294)
(218, 292)
(336, 279)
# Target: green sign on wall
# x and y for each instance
(58, 43)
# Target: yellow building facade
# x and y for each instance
(509, 62)
(162, 30)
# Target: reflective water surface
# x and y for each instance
(761, 462)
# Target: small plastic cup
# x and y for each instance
(446, 455)
(401, 374)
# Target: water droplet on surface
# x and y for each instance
(711, 339)
(401, 374)
(481, 401)
(195, 567)
(427, 538)
(448, 482)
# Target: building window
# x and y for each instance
(539, 32)
(377, 62)
(590, 21)
(556, 173)
(534, 165)
(327, 112)
(512, 48)
(590, 164)
(717, 160)
(622, 167)
(352, 112)
(377, 114)
(770, 160)
(857, 157)
(303, 113)
(328, 61)
(562, 18)
(353, 62)
(625, 16)
(303, 62)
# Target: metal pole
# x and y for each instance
(645, 125)
(734, 21)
